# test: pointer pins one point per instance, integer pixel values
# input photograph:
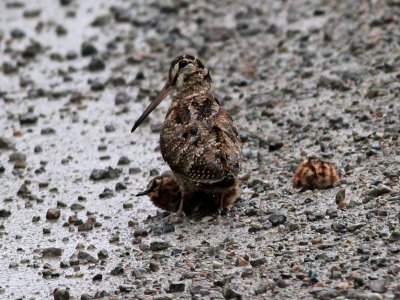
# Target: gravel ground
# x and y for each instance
(299, 77)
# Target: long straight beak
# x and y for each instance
(146, 192)
(166, 90)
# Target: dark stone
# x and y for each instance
(108, 173)
(23, 191)
(258, 262)
(61, 30)
(38, 149)
(101, 294)
(140, 232)
(4, 213)
(53, 214)
(312, 277)
(134, 170)
(97, 85)
(127, 205)
(87, 226)
(354, 227)
(47, 131)
(52, 252)
(86, 297)
(394, 237)
(273, 146)
(31, 50)
(314, 216)
(139, 273)
(167, 227)
(379, 191)
(159, 246)
(109, 128)
(102, 254)
(140, 76)
(122, 15)
(176, 287)
(88, 49)
(277, 219)
(374, 92)
(119, 186)
(86, 257)
(154, 267)
(328, 256)
(117, 81)
(65, 2)
(327, 294)
(332, 213)
(77, 206)
(96, 65)
(107, 193)
(118, 270)
(19, 159)
(124, 160)
(125, 288)
(98, 277)
(28, 119)
(74, 220)
(17, 33)
(156, 127)
(322, 229)
(229, 293)
(6, 144)
(61, 294)
(100, 21)
(358, 282)
(71, 55)
(333, 82)
(154, 172)
(9, 68)
(121, 98)
(338, 227)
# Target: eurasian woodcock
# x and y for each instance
(165, 193)
(199, 140)
(315, 173)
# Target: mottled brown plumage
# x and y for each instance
(314, 173)
(199, 140)
(165, 193)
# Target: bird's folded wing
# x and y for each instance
(212, 155)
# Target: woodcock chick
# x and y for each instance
(199, 140)
(165, 193)
(315, 173)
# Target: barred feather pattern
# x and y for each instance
(200, 142)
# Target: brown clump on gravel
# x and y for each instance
(315, 173)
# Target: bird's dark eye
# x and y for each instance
(182, 64)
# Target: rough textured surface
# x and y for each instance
(298, 77)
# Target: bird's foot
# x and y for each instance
(224, 211)
(175, 217)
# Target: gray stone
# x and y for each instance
(277, 219)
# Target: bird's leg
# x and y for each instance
(220, 203)
(184, 196)
(179, 214)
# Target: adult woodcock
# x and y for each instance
(199, 140)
